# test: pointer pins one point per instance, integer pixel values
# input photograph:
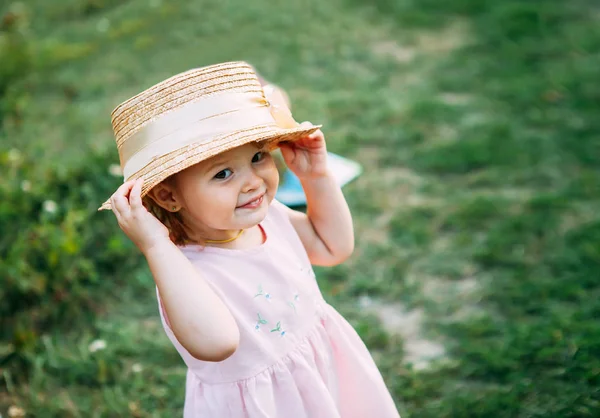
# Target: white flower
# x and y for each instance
(103, 25)
(365, 301)
(97, 345)
(50, 206)
(14, 155)
(136, 368)
(15, 411)
(26, 185)
(115, 170)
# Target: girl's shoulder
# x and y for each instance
(281, 229)
(278, 214)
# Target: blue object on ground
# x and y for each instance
(290, 191)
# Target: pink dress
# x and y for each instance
(297, 357)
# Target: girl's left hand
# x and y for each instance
(306, 157)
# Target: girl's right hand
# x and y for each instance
(134, 219)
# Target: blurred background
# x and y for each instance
(476, 278)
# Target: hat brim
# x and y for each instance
(161, 168)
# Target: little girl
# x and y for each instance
(237, 294)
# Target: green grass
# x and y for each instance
(477, 123)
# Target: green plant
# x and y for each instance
(57, 253)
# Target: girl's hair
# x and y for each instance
(172, 220)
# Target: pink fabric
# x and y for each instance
(297, 358)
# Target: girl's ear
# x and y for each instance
(165, 196)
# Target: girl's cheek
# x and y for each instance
(274, 179)
(269, 172)
(222, 198)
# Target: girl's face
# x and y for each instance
(228, 192)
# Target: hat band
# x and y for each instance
(195, 123)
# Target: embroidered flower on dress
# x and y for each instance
(307, 270)
(259, 322)
(260, 292)
(293, 302)
(278, 329)
(291, 305)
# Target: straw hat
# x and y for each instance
(195, 115)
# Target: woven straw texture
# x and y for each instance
(182, 89)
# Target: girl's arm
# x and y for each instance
(326, 229)
(199, 319)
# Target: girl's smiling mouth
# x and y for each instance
(253, 204)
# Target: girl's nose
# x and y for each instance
(252, 182)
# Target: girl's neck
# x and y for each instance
(226, 240)
(252, 237)
(200, 234)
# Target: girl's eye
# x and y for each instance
(223, 174)
(258, 157)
